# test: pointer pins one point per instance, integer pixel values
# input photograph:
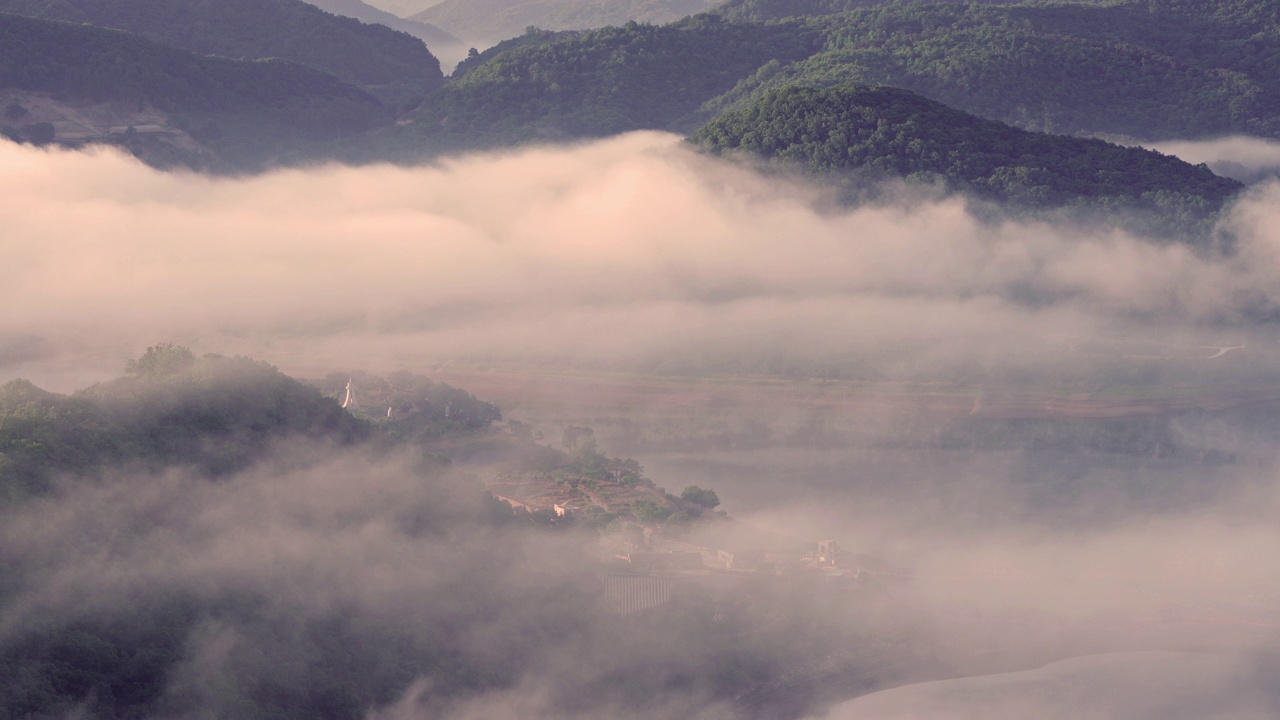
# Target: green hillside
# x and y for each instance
(215, 512)
(1146, 69)
(392, 65)
(857, 134)
(555, 86)
(243, 112)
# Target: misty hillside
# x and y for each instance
(213, 505)
(214, 413)
(597, 83)
(1142, 69)
(394, 66)
(78, 83)
(1138, 70)
(440, 43)
(864, 134)
(485, 22)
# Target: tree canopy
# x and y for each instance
(858, 133)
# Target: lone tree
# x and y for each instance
(698, 496)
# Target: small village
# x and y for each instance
(651, 542)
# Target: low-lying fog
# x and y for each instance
(616, 252)
(1246, 159)
(906, 352)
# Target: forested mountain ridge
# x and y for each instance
(597, 83)
(859, 133)
(213, 505)
(1138, 69)
(392, 65)
(237, 113)
(1143, 69)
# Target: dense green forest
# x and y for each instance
(1146, 69)
(861, 133)
(1138, 69)
(597, 83)
(396, 67)
(246, 112)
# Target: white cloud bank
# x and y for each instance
(1248, 159)
(607, 251)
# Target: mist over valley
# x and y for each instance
(772, 362)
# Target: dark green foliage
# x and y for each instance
(116, 665)
(161, 361)
(698, 496)
(597, 83)
(420, 409)
(214, 413)
(1152, 69)
(394, 65)
(648, 511)
(868, 133)
(532, 37)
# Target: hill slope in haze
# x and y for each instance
(215, 413)
(870, 133)
(551, 86)
(214, 504)
(441, 44)
(204, 112)
(1143, 69)
(485, 22)
(394, 66)
(403, 8)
